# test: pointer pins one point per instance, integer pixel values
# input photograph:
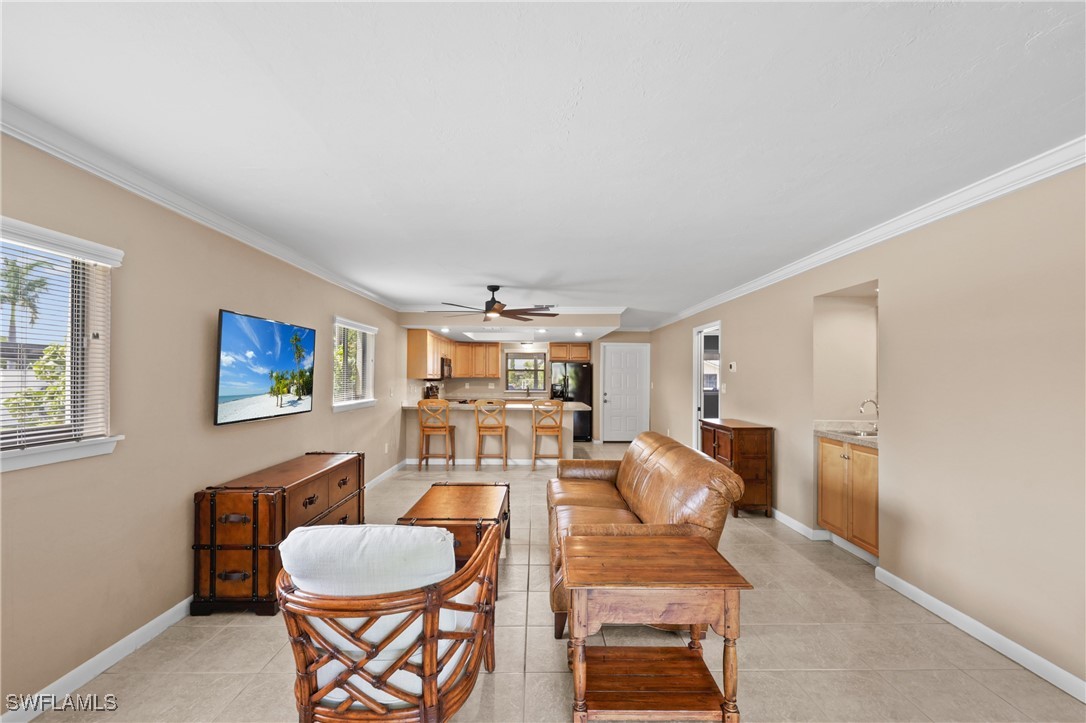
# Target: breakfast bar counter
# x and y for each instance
(519, 420)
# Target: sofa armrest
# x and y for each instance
(605, 470)
(627, 530)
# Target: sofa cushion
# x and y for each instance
(562, 516)
(584, 492)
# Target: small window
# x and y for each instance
(54, 345)
(526, 371)
(352, 365)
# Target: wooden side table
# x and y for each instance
(649, 581)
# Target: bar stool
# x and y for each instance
(546, 422)
(490, 422)
(434, 422)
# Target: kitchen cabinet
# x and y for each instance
(848, 492)
(480, 360)
(747, 449)
(493, 361)
(575, 352)
(425, 350)
(463, 367)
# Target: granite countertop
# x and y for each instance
(839, 430)
(511, 405)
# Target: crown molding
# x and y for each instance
(1059, 159)
(44, 136)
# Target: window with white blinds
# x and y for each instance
(352, 365)
(54, 337)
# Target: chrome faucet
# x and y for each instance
(871, 401)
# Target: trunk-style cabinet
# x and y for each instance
(848, 492)
(747, 449)
(239, 525)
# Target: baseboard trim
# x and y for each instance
(853, 549)
(809, 533)
(386, 474)
(1057, 676)
(88, 671)
(470, 462)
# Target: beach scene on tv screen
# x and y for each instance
(265, 369)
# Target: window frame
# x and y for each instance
(364, 402)
(512, 356)
(79, 250)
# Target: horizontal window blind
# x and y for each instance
(54, 348)
(353, 362)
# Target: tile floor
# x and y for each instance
(822, 640)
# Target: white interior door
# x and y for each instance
(625, 397)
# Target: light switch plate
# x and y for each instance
(731, 366)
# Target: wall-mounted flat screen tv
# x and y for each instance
(265, 368)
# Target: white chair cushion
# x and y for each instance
(349, 560)
(346, 560)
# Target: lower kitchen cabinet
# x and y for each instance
(848, 492)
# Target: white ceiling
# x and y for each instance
(647, 156)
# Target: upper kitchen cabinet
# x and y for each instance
(425, 350)
(574, 352)
(480, 360)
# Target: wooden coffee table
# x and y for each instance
(465, 509)
(650, 581)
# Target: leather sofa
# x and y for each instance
(659, 487)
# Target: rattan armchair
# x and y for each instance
(340, 672)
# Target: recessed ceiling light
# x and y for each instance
(578, 333)
(444, 330)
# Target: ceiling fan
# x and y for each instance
(494, 309)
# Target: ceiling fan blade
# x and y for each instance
(449, 303)
(530, 310)
(458, 314)
(514, 316)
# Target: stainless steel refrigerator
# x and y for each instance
(572, 382)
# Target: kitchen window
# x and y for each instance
(54, 346)
(526, 371)
(352, 365)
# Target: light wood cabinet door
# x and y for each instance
(580, 352)
(422, 360)
(494, 361)
(833, 487)
(863, 482)
(478, 360)
(462, 362)
(559, 352)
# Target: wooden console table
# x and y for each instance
(649, 581)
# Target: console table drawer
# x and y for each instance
(342, 483)
(307, 501)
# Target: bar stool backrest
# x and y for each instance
(490, 413)
(433, 413)
(547, 413)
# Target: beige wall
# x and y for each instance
(981, 357)
(845, 355)
(95, 548)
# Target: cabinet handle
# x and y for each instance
(343, 520)
(845, 456)
(342, 482)
(310, 500)
(233, 575)
(227, 519)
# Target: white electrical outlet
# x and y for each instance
(386, 447)
(467, 385)
(731, 366)
(723, 388)
(490, 385)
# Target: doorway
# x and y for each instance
(625, 394)
(706, 373)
